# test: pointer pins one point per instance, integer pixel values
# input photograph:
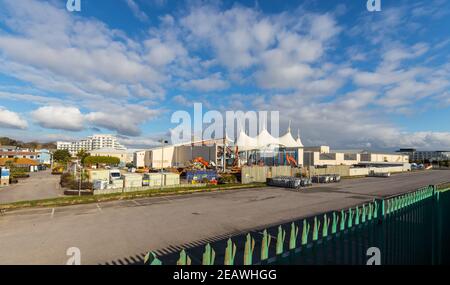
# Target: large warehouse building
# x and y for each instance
(263, 149)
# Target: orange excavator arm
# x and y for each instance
(202, 161)
(291, 160)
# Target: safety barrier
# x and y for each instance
(404, 229)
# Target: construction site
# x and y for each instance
(247, 159)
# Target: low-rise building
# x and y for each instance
(125, 156)
(321, 156)
(423, 155)
(18, 153)
(19, 162)
(44, 156)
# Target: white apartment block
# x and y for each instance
(91, 143)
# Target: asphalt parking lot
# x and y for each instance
(40, 185)
(121, 232)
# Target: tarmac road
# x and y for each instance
(121, 232)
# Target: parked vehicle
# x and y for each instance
(114, 174)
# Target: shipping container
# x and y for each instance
(98, 174)
(100, 184)
(171, 179)
(153, 179)
(132, 180)
(116, 184)
(199, 175)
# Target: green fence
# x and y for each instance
(412, 228)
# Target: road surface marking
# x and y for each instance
(98, 207)
(53, 213)
(167, 199)
(136, 202)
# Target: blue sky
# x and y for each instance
(344, 76)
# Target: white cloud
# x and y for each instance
(126, 120)
(11, 120)
(211, 83)
(208, 48)
(137, 12)
(59, 118)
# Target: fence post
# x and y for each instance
(280, 240)
(184, 258)
(151, 259)
(265, 246)
(248, 251)
(305, 232)
(230, 253)
(209, 255)
(293, 237)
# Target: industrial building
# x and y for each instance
(179, 155)
(421, 156)
(263, 150)
(322, 156)
(90, 143)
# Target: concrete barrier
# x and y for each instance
(251, 174)
(358, 172)
(140, 189)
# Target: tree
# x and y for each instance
(81, 155)
(62, 156)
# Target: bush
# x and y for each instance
(227, 179)
(20, 175)
(91, 160)
(68, 181)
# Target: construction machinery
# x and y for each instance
(202, 161)
(291, 160)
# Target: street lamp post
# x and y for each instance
(79, 185)
(162, 162)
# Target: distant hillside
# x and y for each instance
(33, 145)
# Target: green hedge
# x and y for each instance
(91, 160)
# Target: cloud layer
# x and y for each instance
(341, 78)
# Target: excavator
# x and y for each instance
(202, 161)
(291, 160)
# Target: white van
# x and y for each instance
(114, 174)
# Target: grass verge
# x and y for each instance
(77, 200)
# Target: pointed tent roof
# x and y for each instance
(299, 141)
(288, 140)
(244, 142)
(265, 139)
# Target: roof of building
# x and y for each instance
(8, 147)
(19, 161)
(108, 150)
(17, 153)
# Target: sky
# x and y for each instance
(344, 76)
